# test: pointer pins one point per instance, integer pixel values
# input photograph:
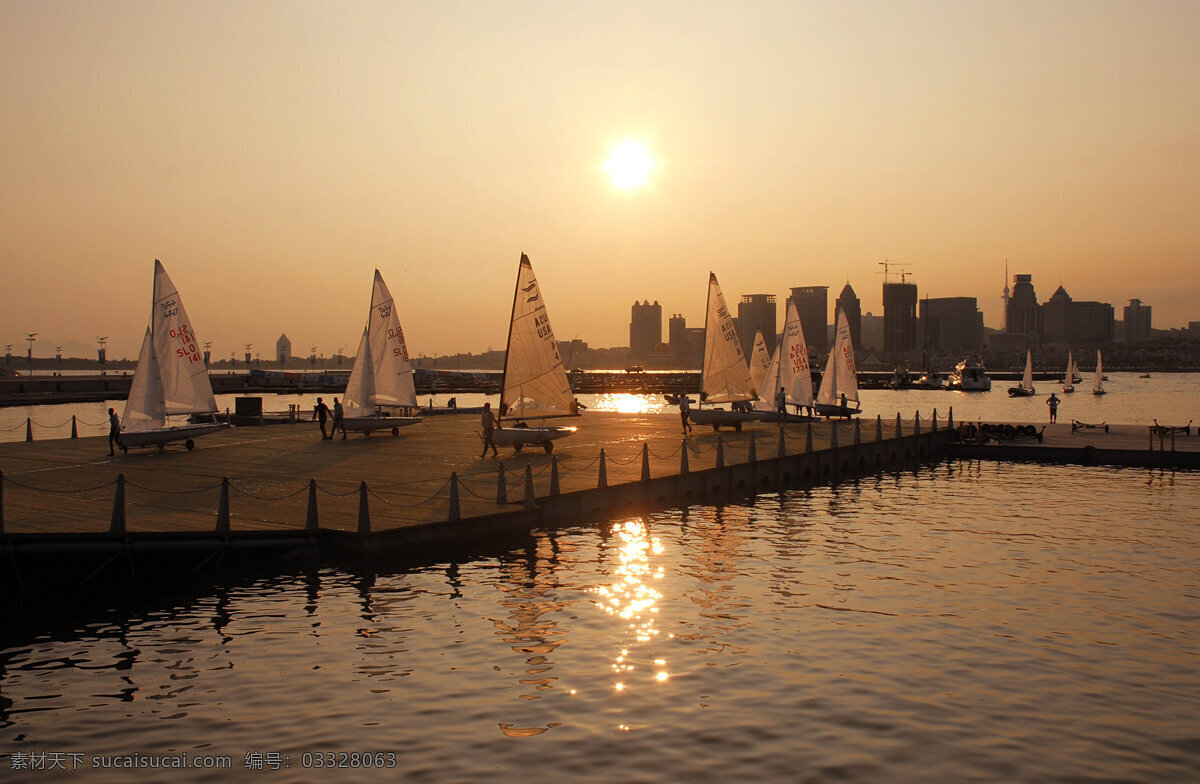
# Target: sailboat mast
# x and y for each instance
(704, 354)
(508, 344)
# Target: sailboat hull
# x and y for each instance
(1020, 392)
(183, 434)
(518, 436)
(367, 425)
(720, 416)
(829, 411)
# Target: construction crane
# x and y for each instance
(887, 264)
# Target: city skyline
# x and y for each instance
(273, 155)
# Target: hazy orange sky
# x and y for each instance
(273, 154)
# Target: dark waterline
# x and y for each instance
(972, 622)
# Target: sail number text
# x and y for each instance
(188, 350)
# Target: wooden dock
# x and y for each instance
(69, 511)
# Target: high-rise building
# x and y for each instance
(755, 312)
(1095, 323)
(1023, 314)
(283, 350)
(1058, 318)
(812, 306)
(952, 324)
(645, 330)
(848, 302)
(899, 317)
(1137, 321)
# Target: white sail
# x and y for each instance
(1027, 376)
(841, 375)
(725, 378)
(360, 389)
(789, 367)
(145, 408)
(185, 384)
(535, 382)
(1098, 384)
(393, 382)
(760, 362)
(1069, 378)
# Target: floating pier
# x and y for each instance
(71, 515)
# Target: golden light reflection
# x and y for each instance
(633, 599)
(631, 403)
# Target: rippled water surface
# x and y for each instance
(969, 622)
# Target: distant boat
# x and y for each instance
(535, 384)
(838, 395)
(170, 379)
(1069, 378)
(1098, 383)
(969, 376)
(726, 376)
(1025, 388)
(382, 377)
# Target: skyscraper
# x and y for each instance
(645, 330)
(1137, 321)
(755, 312)
(899, 317)
(812, 305)
(1023, 314)
(953, 324)
(848, 301)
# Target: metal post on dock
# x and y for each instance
(311, 523)
(364, 511)
(528, 486)
(720, 451)
(74, 430)
(933, 422)
(950, 419)
(645, 461)
(752, 454)
(501, 486)
(223, 507)
(554, 476)
(899, 432)
(455, 509)
(117, 526)
(833, 444)
(28, 428)
(878, 427)
(602, 480)
(683, 458)
(857, 432)
(917, 424)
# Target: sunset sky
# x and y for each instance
(273, 154)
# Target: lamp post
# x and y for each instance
(101, 353)
(31, 336)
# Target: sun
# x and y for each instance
(629, 165)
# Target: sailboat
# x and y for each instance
(1025, 389)
(1069, 378)
(760, 361)
(170, 378)
(1098, 384)
(725, 377)
(838, 395)
(535, 384)
(382, 376)
(789, 371)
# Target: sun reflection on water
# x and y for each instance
(633, 599)
(629, 403)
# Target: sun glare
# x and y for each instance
(629, 165)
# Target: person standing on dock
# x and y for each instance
(321, 414)
(114, 433)
(488, 420)
(1052, 401)
(337, 420)
(685, 409)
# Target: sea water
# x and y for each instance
(970, 621)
